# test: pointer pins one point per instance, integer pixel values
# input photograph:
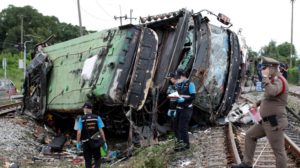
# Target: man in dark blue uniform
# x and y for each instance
(184, 110)
(88, 125)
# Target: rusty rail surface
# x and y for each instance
(213, 147)
(294, 94)
(264, 154)
(7, 108)
(214, 152)
(231, 139)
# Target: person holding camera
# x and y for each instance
(273, 114)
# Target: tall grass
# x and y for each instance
(293, 75)
(12, 70)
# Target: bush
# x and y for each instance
(12, 70)
(293, 75)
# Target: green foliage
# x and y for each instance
(270, 50)
(280, 52)
(293, 75)
(12, 71)
(284, 49)
(156, 156)
(36, 27)
(252, 55)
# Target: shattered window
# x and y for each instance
(213, 88)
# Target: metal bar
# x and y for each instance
(292, 146)
(233, 145)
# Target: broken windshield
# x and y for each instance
(211, 92)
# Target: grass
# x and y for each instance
(293, 75)
(12, 71)
(156, 156)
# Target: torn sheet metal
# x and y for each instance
(170, 47)
(232, 87)
(35, 86)
(143, 72)
(210, 67)
(133, 59)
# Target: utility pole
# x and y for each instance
(22, 32)
(4, 65)
(130, 18)
(24, 61)
(79, 16)
(120, 17)
(292, 20)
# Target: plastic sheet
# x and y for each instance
(88, 67)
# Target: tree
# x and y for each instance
(252, 55)
(36, 27)
(285, 51)
(270, 50)
(280, 52)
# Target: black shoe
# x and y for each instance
(241, 165)
(181, 148)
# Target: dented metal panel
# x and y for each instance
(232, 85)
(124, 68)
(68, 58)
(35, 86)
(210, 67)
(143, 72)
(118, 67)
(171, 49)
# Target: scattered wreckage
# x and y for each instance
(122, 70)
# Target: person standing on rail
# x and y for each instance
(273, 113)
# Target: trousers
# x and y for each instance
(181, 124)
(90, 153)
(275, 136)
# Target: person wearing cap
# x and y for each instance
(273, 113)
(173, 77)
(284, 70)
(88, 125)
(184, 108)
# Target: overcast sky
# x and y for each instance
(260, 20)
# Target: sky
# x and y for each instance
(260, 20)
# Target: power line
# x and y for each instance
(103, 9)
(98, 18)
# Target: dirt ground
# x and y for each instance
(21, 145)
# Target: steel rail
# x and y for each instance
(289, 143)
(10, 107)
(237, 158)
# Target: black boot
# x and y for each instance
(181, 146)
(241, 165)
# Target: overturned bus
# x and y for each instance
(122, 70)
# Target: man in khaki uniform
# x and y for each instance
(273, 113)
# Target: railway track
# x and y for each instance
(264, 157)
(10, 107)
(294, 94)
(223, 146)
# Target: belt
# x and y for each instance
(83, 141)
(266, 119)
(181, 107)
